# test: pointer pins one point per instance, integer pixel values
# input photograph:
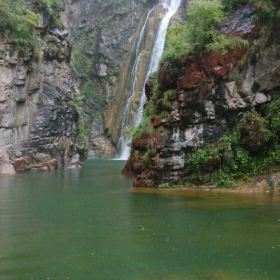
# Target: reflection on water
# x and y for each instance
(88, 224)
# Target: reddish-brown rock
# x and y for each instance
(193, 75)
(146, 179)
(50, 165)
(21, 165)
(149, 89)
(202, 70)
(167, 76)
(202, 98)
(156, 122)
(134, 165)
(220, 65)
(142, 141)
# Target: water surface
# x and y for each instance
(88, 224)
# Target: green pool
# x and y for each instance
(88, 224)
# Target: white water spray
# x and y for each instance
(125, 139)
(171, 7)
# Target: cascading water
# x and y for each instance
(171, 7)
(125, 139)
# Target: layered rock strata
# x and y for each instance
(107, 32)
(39, 120)
(201, 98)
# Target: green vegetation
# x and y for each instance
(94, 99)
(82, 63)
(253, 148)
(47, 4)
(266, 9)
(266, 6)
(82, 58)
(89, 105)
(149, 112)
(199, 33)
(18, 20)
(145, 126)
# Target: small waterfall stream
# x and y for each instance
(124, 141)
(171, 7)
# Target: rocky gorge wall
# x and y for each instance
(103, 37)
(39, 119)
(70, 98)
(200, 99)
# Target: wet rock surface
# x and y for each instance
(106, 33)
(242, 22)
(273, 181)
(206, 102)
(39, 120)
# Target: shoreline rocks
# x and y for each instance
(200, 99)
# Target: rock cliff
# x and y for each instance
(103, 36)
(67, 96)
(39, 119)
(201, 98)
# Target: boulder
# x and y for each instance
(274, 181)
(233, 100)
(61, 34)
(21, 165)
(242, 22)
(149, 89)
(6, 167)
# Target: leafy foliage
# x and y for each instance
(199, 34)
(47, 4)
(253, 131)
(149, 112)
(92, 103)
(273, 116)
(18, 21)
(251, 149)
(82, 57)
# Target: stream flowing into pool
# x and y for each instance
(171, 7)
(89, 224)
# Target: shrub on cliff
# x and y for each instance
(47, 4)
(18, 21)
(253, 132)
(200, 32)
(273, 116)
(253, 148)
(203, 16)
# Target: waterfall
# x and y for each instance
(125, 139)
(171, 7)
